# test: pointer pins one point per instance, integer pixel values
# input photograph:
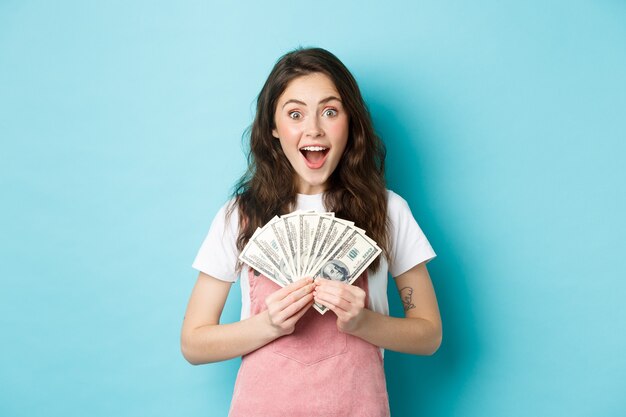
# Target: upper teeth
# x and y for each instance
(314, 148)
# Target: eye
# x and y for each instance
(330, 113)
(295, 115)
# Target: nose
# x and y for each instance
(313, 127)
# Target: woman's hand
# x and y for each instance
(287, 305)
(347, 301)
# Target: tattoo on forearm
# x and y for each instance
(406, 294)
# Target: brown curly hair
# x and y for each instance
(356, 190)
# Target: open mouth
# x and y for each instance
(314, 155)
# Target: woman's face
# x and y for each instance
(312, 126)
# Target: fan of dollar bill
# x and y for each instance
(309, 244)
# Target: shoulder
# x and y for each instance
(218, 253)
(409, 245)
(227, 217)
(396, 204)
(229, 208)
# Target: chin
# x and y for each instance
(316, 185)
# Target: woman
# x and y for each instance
(312, 147)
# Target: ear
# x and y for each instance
(275, 133)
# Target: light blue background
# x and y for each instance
(120, 128)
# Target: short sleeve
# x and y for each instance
(409, 246)
(218, 253)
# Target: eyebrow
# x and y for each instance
(302, 103)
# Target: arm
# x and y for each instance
(419, 332)
(204, 340)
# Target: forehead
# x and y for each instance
(310, 87)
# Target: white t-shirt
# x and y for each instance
(218, 254)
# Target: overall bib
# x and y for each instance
(316, 371)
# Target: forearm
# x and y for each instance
(413, 335)
(218, 342)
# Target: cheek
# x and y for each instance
(339, 131)
(287, 132)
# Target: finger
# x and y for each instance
(341, 292)
(285, 291)
(339, 312)
(333, 300)
(284, 306)
(296, 317)
(276, 306)
(331, 283)
(295, 308)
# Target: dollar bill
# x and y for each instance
(285, 243)
(291, 224)
(308, 225)
(253, 256)
(337, 230)
(306, 243)
(318, 239)
(348, 261)
(269, 244)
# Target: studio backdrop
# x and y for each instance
(122, 130)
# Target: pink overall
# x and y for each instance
(317, 371)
